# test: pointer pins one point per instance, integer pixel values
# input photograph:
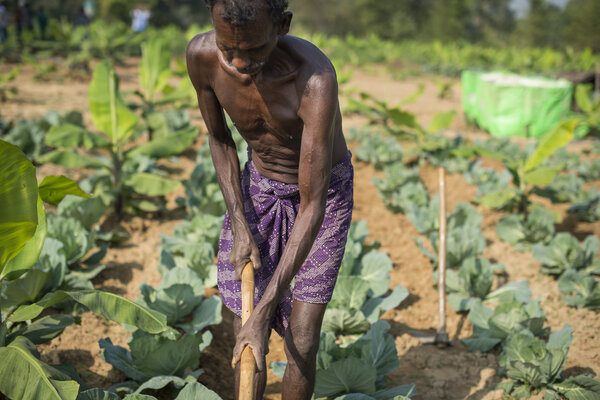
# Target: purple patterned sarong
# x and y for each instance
(271, 208)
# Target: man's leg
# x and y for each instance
(301, 347)
(260, 378)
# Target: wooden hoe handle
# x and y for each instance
(247, 364)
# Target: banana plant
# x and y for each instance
(527, 171)
(128, 178)
(22, 235)
(7, 91)
(590, 107)
(154, 88)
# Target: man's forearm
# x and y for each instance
(306, 228)
(227, 167)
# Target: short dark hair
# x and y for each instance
(240, 12)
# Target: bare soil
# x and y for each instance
(451, 373)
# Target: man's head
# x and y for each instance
(247, 31)
(240, 12)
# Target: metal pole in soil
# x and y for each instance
(247, 363)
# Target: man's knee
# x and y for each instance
(301, 347)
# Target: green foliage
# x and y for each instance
(193, 245)
(7, 91)
(474, 280)
(533, 364)
(588, 170)
(527, 170)
(492, 327)
(401, 188)
(19, 199)
(379, 151)
(581, 289)
(566, 189)
(524, 231)
(359, 297)
(357, 370)
(588, 211)
(168, 353)
(564, 252)
(181, 294)
(130, 180)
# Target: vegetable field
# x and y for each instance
(141, 218)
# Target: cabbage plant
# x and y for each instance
(533, 365)
(588, 211)
(525, 231)
(401, 187)
(359, 297)
(180, 297)
(169, 353)
(588, 170)
(581, 290)
(564, 252)
(356, 371)
(191, 390)
(492, 327)
(566, 189)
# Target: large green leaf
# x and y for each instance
(18, 202)
(541, 176)
(97, 394)
(71, 159)
(44, 329)
(557, 138)
(196, 390)
(582, 97)
(441, 120)
(350, 375)
(166, 146)
(54, 188)
(32, 249)
(109, 305)
(154, 69)
(151, 184)
(579, 387)
(70, 136)
(23, 376)
(109, 113)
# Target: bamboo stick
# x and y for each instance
(442, 252)
(247, 363)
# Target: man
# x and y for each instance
(3, 21)
(290, 212)
(140, 16)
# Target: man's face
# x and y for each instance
(246, 48)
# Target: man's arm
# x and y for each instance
(224, 156)
(318, 110)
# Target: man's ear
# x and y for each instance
(284, 23)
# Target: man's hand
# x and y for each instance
(244, 250)
(254, 333)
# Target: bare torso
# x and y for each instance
(265, 109)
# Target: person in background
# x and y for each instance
(22, 18)
(139, 18)
(81, 19)
(41, 20)
(3, 21)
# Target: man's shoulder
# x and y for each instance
(202, 45)
(200, 56)
(316, 68)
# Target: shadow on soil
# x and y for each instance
(442, 373)
(119, 271)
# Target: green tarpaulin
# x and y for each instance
(513, 105)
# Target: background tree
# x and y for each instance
(582, 24)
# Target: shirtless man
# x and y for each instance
(290, 209)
